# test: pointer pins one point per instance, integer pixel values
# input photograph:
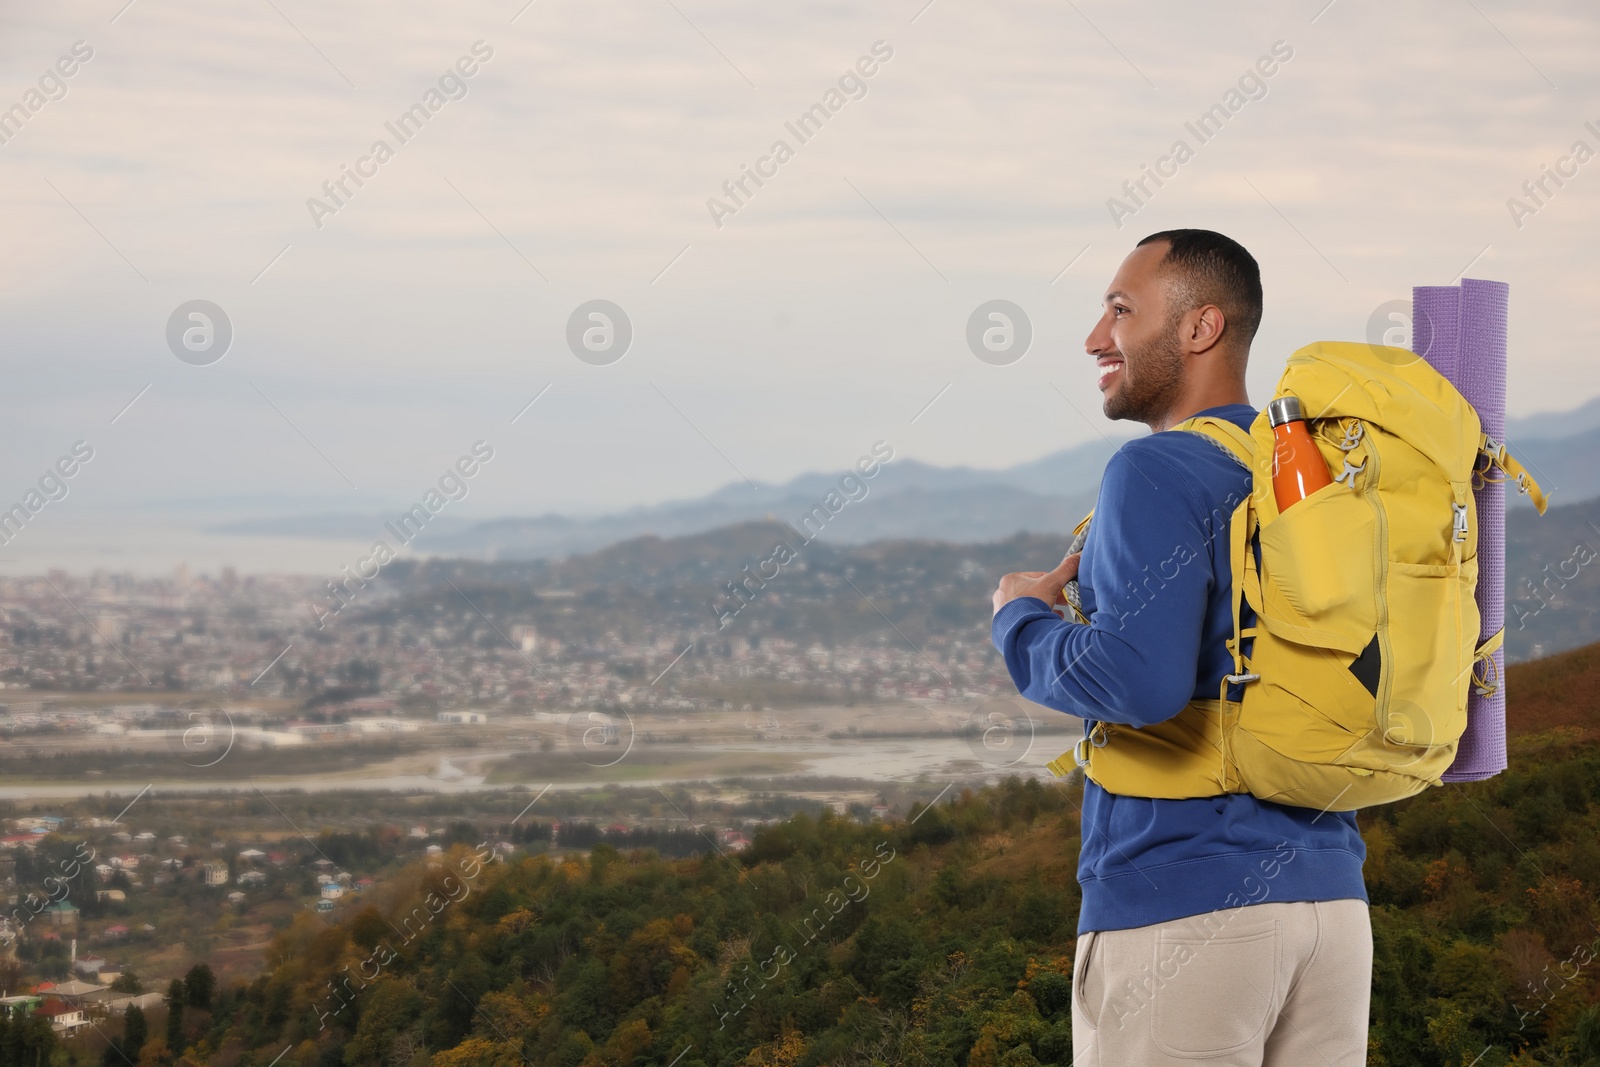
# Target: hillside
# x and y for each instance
(944, 938)
(924, 587)
(1558, 692)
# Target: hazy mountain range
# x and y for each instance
(907, 499)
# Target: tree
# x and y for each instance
(135, 1031)
(28, 1041)
(198, 985)
(388, 1011)
(175, 998)
(11, 971)
(127, 982)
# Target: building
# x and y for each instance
(464, 718)
(62, 915)
(20, 1006)
(64, 1018)
(73, 991)
(214, 872)
(90, 964)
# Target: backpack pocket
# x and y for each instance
(1433, 631)
(1319, 571)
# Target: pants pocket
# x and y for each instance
(1213, 995)
(1081, 998)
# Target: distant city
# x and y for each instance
(412, 644)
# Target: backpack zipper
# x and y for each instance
(1380, 572)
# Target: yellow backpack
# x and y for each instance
(1366, 634)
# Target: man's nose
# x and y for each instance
(1098, 343)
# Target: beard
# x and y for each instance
(1152, 379)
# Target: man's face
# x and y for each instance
(1135, 343)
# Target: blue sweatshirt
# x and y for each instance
(1155, 581)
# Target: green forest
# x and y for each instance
(945, 937)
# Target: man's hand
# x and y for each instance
(1046, 585)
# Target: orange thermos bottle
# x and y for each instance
(1298, 469)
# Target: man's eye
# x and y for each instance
(1118, 310)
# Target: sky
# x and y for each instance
(377, 337)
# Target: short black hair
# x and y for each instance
(1215, 269)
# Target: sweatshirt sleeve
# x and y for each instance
(1135, 662)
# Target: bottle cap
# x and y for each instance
(1284, 409)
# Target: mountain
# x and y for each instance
(1580, 419)
(1552, 584)
(1564, 466)
(907, 499)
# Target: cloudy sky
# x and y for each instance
(373, 342)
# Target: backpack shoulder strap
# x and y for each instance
(1237, 442)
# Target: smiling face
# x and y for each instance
(1136, 343)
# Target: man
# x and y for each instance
(1221, 930)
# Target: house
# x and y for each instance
(63, 914)
(214, 872)
(116, 933)
(64, 1018)
(324, 905)
(332, 891)
(464, 718)
(90, 964)
(20, 1006)
(115, 895)
(252, 855)
(144, 837)
(25, 840)
(105, 871)
(73, 991)
(236, 897)
(253, 878)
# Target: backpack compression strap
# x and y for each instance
(1499, 459)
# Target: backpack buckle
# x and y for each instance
(1348, 475)
(1459, 523)
(1240, 679)
(1352, 436)
(1096, 737)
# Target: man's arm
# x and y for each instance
(1136, 660)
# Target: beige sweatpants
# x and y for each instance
(1264, 985)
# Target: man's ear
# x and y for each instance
(1203, 328)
